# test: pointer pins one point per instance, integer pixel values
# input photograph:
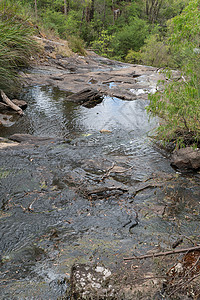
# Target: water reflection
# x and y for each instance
(49, 114)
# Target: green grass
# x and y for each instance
(16, 46)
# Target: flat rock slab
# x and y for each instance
(74, 74)
(186, 158)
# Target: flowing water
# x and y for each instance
(89, 196)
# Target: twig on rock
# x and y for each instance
(164, 253)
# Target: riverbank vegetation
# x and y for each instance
(16, 45)
(179, 103)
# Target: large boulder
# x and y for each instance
(90, 281)
(88, 97)
(186, 158)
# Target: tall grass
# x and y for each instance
(16, 45)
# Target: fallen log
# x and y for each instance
(164, 253)
(11, 104)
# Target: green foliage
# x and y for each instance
(56, 21)
(73, 23)
(156, 52)
(77, 45)
(102, 45)
(133, 57)
(179, 103)
(16, 45)
(179, 106)
(130, 37)
(185, 33)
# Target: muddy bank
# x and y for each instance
(88, 195)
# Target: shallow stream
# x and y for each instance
(90, 196)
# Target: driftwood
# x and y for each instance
(164, 253)
(11, 104)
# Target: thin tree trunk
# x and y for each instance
(92, 11)
(104, 13)
(65, 7)
(36, 12)
(113, 12)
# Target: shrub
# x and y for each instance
(133, 57)
(102, 45)
(156, 52)
(77, 45)
(130, 37)
(179, 103)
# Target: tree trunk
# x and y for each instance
(104, 13)
(92, 11)
(36, 12)
(65, 7)
(113, 12)
(89, 12)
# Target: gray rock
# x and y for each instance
(186, 158)
(30, 139)
(91, 282)
(87, 96)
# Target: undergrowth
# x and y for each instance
(16, 46)
(178, 104)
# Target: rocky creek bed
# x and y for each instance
(93, 191)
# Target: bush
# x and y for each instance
(77, 45)
(156, 52)
(179, 103)
(179, 106)
(130, 37)
(102, 45)
(133, 57)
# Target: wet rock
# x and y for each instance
(91, 282)
(186, 158)
(30, 139)
(88, 96)
(3, 106)
(5, 143)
